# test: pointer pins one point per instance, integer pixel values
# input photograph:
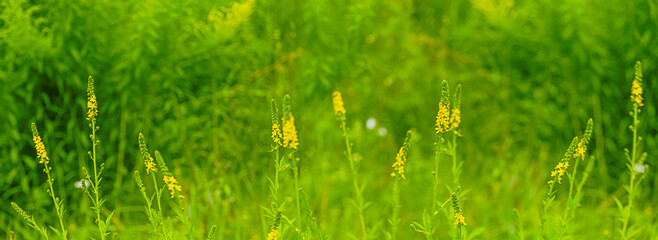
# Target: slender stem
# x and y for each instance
(631, 188)
(436, 175)
(456, 172)
(276, 174)
(52, 194)
(359, 197)
(567, 209)
(295, 172)
(396, 208)
(158, 195)
(96, 180)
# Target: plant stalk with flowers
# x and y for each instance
(92, 113)
(635, 160)
(358, 202)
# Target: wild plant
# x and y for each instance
(575, 191)
(155, 216)
(274, 212)
(576, 152)
(175, 190)
(556, 175)
(458, 216)
(634, 159)
(398, 175)
(43, 158)
(95, 182)
(358, 202)
(29, 220)
(291, 143)
(447, 122)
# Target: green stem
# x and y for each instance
(396, 208)
(359, 197)
(436, 176)
(456, 171)
(295, 169)
(631, 188)
(96, 181)
(158, 195)
(52, 194)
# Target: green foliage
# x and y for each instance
(196, 78)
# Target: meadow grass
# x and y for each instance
(298, 221)
(195, 80)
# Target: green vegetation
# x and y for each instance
(493, 153)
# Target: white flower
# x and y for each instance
(79, 184)
(639, 168)
(371, 123)
(382, 131)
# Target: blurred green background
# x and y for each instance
(196, 78)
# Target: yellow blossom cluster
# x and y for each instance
(443, 118)
(290, 133)
(636, 93)
(273, 235)
(172, 185)
(276, 134)
(339, 109)
(559, 171)
(400, 160)
(41, 150)
(459, 219)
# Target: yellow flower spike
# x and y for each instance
(273, 235)
(38, 145)
(276, 128)
(339, 109)
(459, 219)
(398, 166)
(172, 185)
(289, 131)
(561, 167)
(401, 157)
(443, 123)
(92, 104)
(455, 118)
(146, 156)
(636, 86)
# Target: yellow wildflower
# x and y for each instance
(636, 86)
(636, 93)
(459, 219)
(455, 118)
(38, 145)
(273, 235)
(276, 128)
(400, 160)
(290, 133)
(339, 109)
(92, 105)
(150, 165)
(148, 160)
(443, 118)
(559, 171)
(172, 185)
(276, 134)
(580, 150)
